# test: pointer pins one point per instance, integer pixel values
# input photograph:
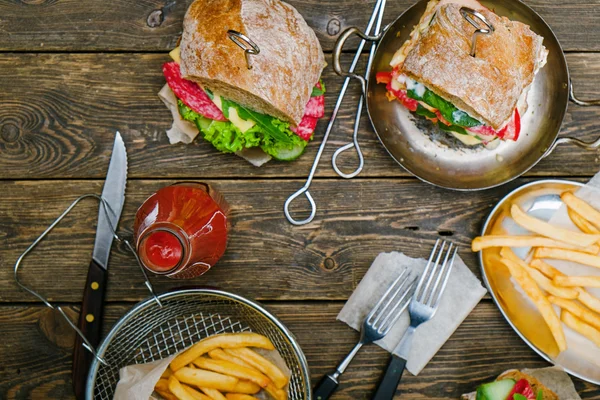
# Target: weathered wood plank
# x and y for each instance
(155, 25)
(267, 258)
(59, 113)
(37, 353)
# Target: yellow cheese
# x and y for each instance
(176, 55)
(466, 139)
(242, 124)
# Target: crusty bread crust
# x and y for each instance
(283, 74)
(536, 385)
(487, 86)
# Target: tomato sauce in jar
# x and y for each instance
(181, 230)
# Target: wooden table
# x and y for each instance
(75, 71)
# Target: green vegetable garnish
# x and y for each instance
(447, 109)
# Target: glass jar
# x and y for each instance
(181, 230)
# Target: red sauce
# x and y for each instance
(181, 230)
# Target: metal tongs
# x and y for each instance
(376, 19)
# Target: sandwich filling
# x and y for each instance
(231, 127)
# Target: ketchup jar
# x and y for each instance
(181, 230)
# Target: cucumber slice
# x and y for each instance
(498, 390)
(285, 153)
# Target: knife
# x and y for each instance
(90, 316)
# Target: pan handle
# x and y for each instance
(575, 100)
(337, 53)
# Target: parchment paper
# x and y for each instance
(462, 294)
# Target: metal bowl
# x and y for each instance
(519, 312)
(149, 332)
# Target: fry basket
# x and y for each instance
(149, 332)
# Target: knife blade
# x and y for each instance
(90, 316)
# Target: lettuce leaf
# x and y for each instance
(316, 91)
(448, 110)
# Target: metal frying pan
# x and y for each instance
(437, 158)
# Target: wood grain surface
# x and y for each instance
(59, 114)
(155, 25)
(37, 347)
(267, 258)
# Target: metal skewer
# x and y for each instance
(304, 189)
(473, 17)
(355, 144)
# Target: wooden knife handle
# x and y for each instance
(90, 323)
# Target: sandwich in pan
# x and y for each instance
(246, 77)
(477, 98)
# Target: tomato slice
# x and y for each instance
(383, 77)
(511, 131)
(522, 387)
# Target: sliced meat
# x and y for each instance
(315, 107)
(306, 127)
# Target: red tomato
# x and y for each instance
(524, 388)
(383, 77)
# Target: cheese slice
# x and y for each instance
(242, 124)
(175, 54)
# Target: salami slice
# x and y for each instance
(306, 127)
(191, 93)
(315, 107)
(510, 132)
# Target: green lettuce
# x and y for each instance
(448, 110)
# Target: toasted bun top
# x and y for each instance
(487, 86)
(536, 385)
(282, 75)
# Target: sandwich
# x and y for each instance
(512, 385)
(258, 106)
(477, 99)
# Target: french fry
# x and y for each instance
(219, 354)
(548, 286)
(196, 394)
(568, 255)
(579, 311)
(166, 395)
(203, 378)
(162, 384)
(581, 327)
(246, 387)
(545, 268)
(583, 224)
(484, 242)
(178, 390)
(262, 364)
(541, 302)
(275, 393)
(588, 300)
(232, 369)
(548, 230)
(238, 396)
(581, 281)
(214, 394)
(224, 340)
(167, 373)
(582, 208)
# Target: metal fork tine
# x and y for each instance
(423, 298)
(432, 296)
(401, 305)
(420, 284)
(377, 306)
(385, 313)
(446, 278)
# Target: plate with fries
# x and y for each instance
(540, 259)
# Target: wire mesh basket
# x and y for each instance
(149, 333)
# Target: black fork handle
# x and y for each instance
(388, 385)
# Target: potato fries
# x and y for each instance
(246, 387)
(548, 286)
(588, 300)
(162, 384)
(219, 354)
(196, 394)
(579, 311)
(545, 268)
(568, 255)
(225, 341)
(548, 230)
(167, 395)
(262, 364)
(275, 393)
(484, 242)
(541, 302)
(583, 224)
(214, 394)
(582, 208)
(229, 368)
(237, 396)
(209, 379)
(574, 281)
(178, 390)
(581, 327)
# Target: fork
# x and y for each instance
(376, 325)
(422, 308)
